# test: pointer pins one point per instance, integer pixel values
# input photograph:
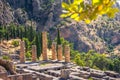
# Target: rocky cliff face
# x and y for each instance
(99, 35)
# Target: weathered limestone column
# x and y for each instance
(44, 45)
(67, 53)
(34, 53)
(22, 51)
(60, 50)
(54, 52)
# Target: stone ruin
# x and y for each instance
(60, 53)
(56, 69)
(44, 45)
(57, 53)
(54, 52)
(22, 52)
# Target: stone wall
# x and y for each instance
(25, 76)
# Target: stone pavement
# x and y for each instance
(64, 71)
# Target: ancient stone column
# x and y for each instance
(54, 52)
(44, 45)
(60, 50)
(67, 53)
(34, 53)
(22, 51)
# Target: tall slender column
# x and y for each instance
(44, 45)
(60, 50)
(67, 53)
(34, 53)
(22, 51)
(54, 52)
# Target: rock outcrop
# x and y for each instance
(7, 66)
(45, 13)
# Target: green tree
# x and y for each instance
(58, 37)
(38, 44)
(80, 11)
(21, 30)
(116, 63)
(17, 31)
(49, 42)
(31, 33)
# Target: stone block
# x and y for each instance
(65, 73)
(112, 74)
(97, 74)
(72, 77)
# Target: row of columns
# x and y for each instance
(57, 54)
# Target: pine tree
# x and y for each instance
(25, 32)
(30, 32)
(1, 33)
(58, 37)
(17, 31)
(7, 33)
(49, 42)
(14, 32)
(38, 44)
(21, 33)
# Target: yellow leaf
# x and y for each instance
(111, 4)
(77, 2)
(65, 15)
(80, 10)
(106, 1)
(87, 21)
(74, 15)
(77, 19)
(64, 5)
(104, 11)
(95, 1)
(73, 7)
(111, 12)
(100, 7)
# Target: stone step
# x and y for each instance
(73, 77)
(54, 73)
(43, 76)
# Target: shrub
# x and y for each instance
(28, 54)
(15, 43)
(6, 57)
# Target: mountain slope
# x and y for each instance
(102, 35)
